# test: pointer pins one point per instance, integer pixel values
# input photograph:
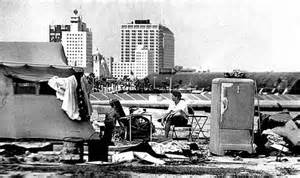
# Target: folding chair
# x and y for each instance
(176, 129)
(197, 125)
(194, 124)
(188, 127)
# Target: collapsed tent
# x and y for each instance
(28, 106)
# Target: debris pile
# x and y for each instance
(279, 134)
(168, 152)
(28, 152)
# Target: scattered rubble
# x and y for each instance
(279, 134)
(277, 153)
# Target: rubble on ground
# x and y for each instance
(277, 151)
(279, 134)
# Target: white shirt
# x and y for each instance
(180, 106)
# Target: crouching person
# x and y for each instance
(176, 114)
(111, 117)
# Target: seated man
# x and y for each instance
(176, 114)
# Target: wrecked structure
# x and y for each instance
(28, 106)
(278, 134)
(159, 156)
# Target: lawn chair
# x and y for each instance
(198, 122)
(194, 124)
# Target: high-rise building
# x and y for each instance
(156, 38)
(77, 41)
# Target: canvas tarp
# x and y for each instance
(30, 115)
(41, 53)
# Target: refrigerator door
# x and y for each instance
(237, 103)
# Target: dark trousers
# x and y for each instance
(108, 132)
(177, 120)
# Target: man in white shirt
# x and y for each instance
(176, 114)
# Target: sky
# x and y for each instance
(219, 35)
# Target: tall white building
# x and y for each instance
(143, 64)
(156, 38)
(78, 44)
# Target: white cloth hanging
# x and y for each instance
(66, 91)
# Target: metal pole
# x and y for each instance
(130, 128)
(170, 88)
(154, 82)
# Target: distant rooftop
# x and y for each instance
(141, 21)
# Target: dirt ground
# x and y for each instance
(224, 167)
(221, 166)
(126, 170)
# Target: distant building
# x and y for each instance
(167, 71)
(178, 68)
(121, 69)
(187, 70)
(77, 41)
(156, 38)
(100, 67)
(97, 58)
(143, 62)
(109, 62)
(55, 32)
